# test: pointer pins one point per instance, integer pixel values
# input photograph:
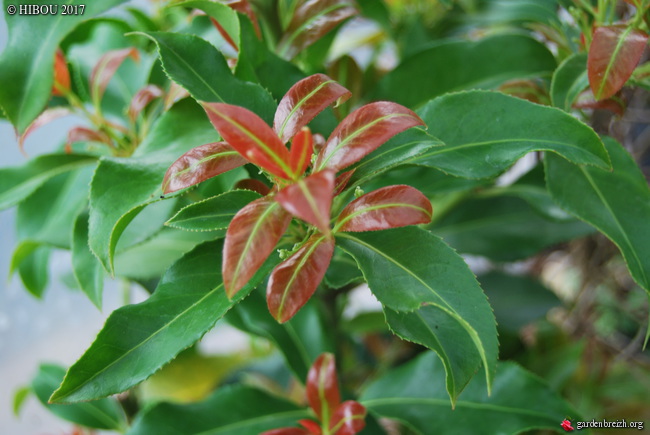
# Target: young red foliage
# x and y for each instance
(322, 387)
(614, 53)
(311, 426)
(295, 280)
(142, 98)
(83, 134)
(302, 148)
(244, 7)
(224, 34)
(251, 237)
(251, 137)
(363, 131)
(348, 419)
(342, 181)
(388, 207)
(254, 185)
(105, 69)
(310, 199)
(287, 431)
(46, 117)
(199, 164)
(304, 101)
(61, 74)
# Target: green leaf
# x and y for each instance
(223, 14)
(232, 410)
(616, 202)
(507, 11)
(33, 270)
(486, 132)
(101, 414)
(137, 340)
(414, 394)
(28, 63)
(122, 187)
(301, 340)
(410, 269)
(201, 69)
(569, 80)
(18, 183)
(343, 270)
(467, 65)
(87, 269)
(20, 395)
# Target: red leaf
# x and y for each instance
(348, 419)
(323, 387)
(388, 207)
(319, 142)
(254, 185)
(342, 181)
(46, 117)
(61, 75)
(176, 93)
(140, 100)
(286, 431)
(614, 54)
(83, 134)
(199, 164)
(302, 148)
(363, 131)
(312, 21)
(310, 199)
(586, 101)
(304, 101)
(105, 69)
(295, 280)
(250, 239)
(250, 136)
(311, 426)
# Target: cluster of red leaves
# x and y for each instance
(336, 418)
(256, 230)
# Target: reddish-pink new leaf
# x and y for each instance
(304, 101)
(310, 199)
(388, 207)
(251, 137)
(295, 280)
(142, 98)
(363, 131)
(105, 69)
(302, 148)
(342, 181)
(311, 426)
(61, 74)
(254, 185)
(614, 53)
(83, 134)
(199, 164)
(348, 419)
(323, 387)
(46, 117)
(251, 237)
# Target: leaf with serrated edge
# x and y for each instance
(139, 339)
(199, 164)
(250, 239)
(302, 148)
(486, 132)
(106, 67)
(348, 419)
(363, 131)
(388, 207)
(304, 101)
(250, 136)
(224, 18)
(406, 267)
(614, 53)
(213, 213)
(296, 279)
(323, 387)
(310, 199)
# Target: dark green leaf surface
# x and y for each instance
(464, 65)
(232, 410)
(486, 132)
(33, 270)
(86, 268)
(137, 340)
(569, 80)
(213, 213)
(617, 203)
(507, 11)
(414, 394)
(28, 62)
(343, 270)
(18, 183)
(101, 414)
(410, 269)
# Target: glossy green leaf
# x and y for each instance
(33, 270)
(139, 339)
(17, 183)
(201, 69)
(232, 410)
(28, 63)
(486, 132)
(101, 414)
(86, 268)
(414, 394)
(467, 65)
(617, 203)
(410, 269)
(343, 270)
(569, 80)
(212, 213)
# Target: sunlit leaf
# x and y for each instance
(323, 387)
(310, 199)
(105, 69)
(304, 101)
